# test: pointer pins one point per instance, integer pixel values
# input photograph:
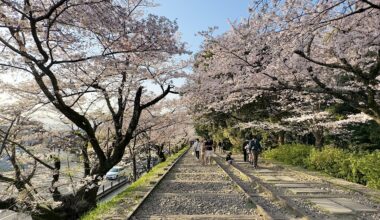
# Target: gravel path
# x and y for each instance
(193, 191)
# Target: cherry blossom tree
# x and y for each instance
(308, 54)
(84, 54)
(298, 47)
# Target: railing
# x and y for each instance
(105, 190)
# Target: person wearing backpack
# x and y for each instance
(255, 150)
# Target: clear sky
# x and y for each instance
(197, 15)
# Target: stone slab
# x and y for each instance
(330, 206)
(306, 190)
(286, 178)
(200, 217)
(291, 185)
(269, 178)
(353, 205)
(264, 171)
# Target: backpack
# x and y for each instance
(208, 145)
(255, 145)
(251, 144)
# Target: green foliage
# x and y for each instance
(201, 129)
(363, 168)
(369, 166)
(223, 126)
(293, 154)
(234, 136)
(365, 136)
(333, 161)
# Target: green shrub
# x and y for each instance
(369, 166)
(363, 168)
(293, 154)
(337, 163)
(330, 160)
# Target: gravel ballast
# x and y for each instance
(193, 189)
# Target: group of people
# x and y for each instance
(251, 150)
(204, 151)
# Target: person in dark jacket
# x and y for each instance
(255, 149)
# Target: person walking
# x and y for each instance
(245, 148)
(255, 149)
(203, 153)
(209, 150)
(197, 148)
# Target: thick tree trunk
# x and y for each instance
(281, 138)
(86, 160)
(299, 138)
(160, 153)
(318, 135)
(73, 206)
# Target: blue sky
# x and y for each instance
(196, 15)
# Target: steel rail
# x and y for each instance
(285, 202)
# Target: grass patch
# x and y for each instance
(129, 197)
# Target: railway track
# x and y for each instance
(299, 195)
(193, 191)
(221, 191)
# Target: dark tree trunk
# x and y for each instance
(318, 135)
(148, 159)
(86, 160)
(133, 156)
(170, 152)
(160, 152)
(281, 138)
(134, 167)
(73, 206)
